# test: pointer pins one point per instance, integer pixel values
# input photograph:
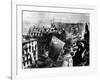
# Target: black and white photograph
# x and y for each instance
(55, 39)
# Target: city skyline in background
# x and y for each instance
(45, 19)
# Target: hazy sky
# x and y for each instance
(45, 18)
